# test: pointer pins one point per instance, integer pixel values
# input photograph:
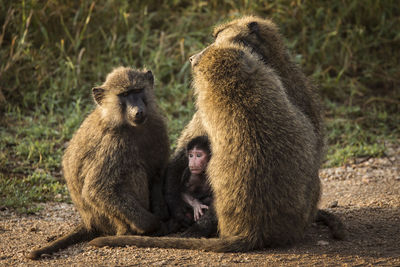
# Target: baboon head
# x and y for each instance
(259, 36)
(125, 96)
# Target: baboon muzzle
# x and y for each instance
(136, 115)
(194, 59)
(140, 116)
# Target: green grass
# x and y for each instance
(53, 52)
(23, 193)
(354, 131)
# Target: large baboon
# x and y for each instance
(257, 107)
(114, 164)
(263, 39)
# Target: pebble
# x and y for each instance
(322, 243)
(333, 204)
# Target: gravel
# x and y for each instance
(365, 194)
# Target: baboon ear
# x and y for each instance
(98, 94)
(253, 27)
(149, 75)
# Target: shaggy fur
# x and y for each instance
(113, 164)
(263, 120)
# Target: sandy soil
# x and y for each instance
(366, 195)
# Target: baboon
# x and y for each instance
(195, 188)
(176, 167)
(262, 38)
(114, 163)
(255, 105)
(194, 184)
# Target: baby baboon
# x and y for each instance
(197, 218)
(114, 164)
(196, 191)
(177, 166)
(257, 107)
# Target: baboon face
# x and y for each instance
(260, 35)
(124, 97)
(198, 159)
(133, 105)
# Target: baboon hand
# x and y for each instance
(198, 210)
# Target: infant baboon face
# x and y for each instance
(198, 159)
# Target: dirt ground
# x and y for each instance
(366, 195)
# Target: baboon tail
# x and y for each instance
(336, 226)
(232, 244)
(79, 234)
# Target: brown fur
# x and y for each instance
(113, 165)
(264, 39)
(207, 226)
(256, 105)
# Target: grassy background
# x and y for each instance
(53, 52)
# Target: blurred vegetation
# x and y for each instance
(52, 52)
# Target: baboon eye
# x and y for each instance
(253, 26)
(132, 91)
(150, 76)
(244, 42)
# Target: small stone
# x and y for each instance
(333, 204)
(322, 243)
(51, 238)
(365, 179)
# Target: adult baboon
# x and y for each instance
(262, 38)
(257, 107)
(114, 164)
